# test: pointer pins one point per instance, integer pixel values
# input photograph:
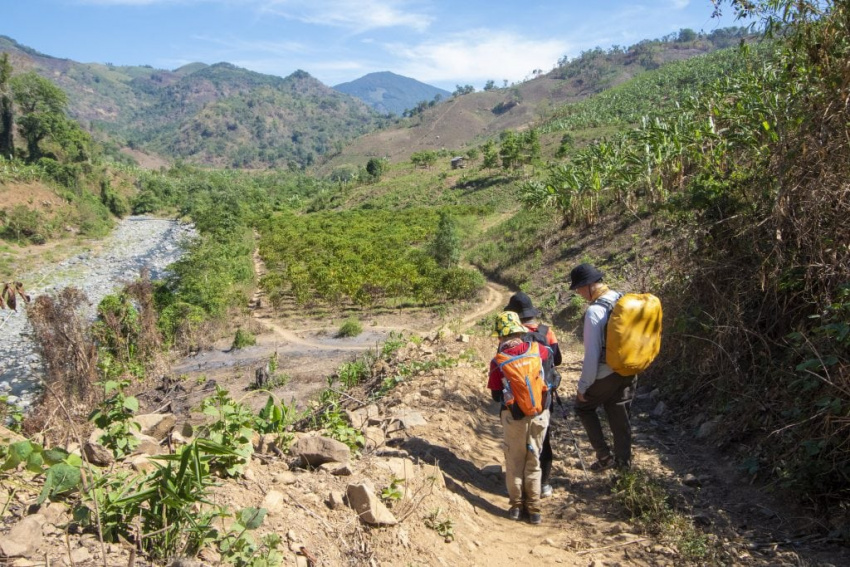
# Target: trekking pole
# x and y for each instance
(572, 434)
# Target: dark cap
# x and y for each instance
(584, 274)
(521, 304)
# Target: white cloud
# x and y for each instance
(279, 48)
(356, 15)
(478, 55)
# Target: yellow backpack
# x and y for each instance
(633, 332)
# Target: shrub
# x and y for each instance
(350, 328)
(243, 339)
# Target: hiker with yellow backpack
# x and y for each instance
(517, 382)
(622, 335)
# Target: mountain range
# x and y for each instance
(226, 116)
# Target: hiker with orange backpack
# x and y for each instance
(516, 381)
(599, 385)
(522, 305)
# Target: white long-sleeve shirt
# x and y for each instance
(593, 368)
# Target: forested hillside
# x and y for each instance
(211, 114)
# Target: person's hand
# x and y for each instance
(580, 397)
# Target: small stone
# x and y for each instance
(336, 500)
(659, 410)
(690, 480)
(273, 502)
(285, 478)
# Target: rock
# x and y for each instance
(369, 507)
(360, 417)
(315, 450)
(706, 429)
(374, 437)
(7, 436)
(690, 480)
(336, 500)
(24, 537)
(409, 418)
(273, 502)
(463, 338)
(156, 425)
(402, 469)
(653, 395)
(249, 474)
(141, 463)
(97, 454)
(209, 556)
(55, 513)
(430, 471)
(183, 433)
(285, 478)
(659, 410)
(77, 556)
(342, 470)
(147, 445)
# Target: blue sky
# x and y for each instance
(441, 42)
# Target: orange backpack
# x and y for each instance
(524, 381)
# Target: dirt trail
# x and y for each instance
(583, 525)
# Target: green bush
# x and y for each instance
(350, 328)
(243, 339)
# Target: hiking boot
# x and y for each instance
(602, 464)
(535, 518)
(546, 491)
(515, 513)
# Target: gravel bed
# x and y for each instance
(136, 242)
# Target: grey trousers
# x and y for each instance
(614, 393)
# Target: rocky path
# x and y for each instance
(136, 243)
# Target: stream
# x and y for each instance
(136, 242)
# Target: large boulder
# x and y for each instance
(316, 450)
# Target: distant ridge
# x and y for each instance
(389, 93)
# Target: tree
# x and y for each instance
(491, 155)
(42, 110)
(7, 117)
(686, 35)
(490, 85)
(445, 248)
(375, 167)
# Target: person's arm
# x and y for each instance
(494, 383)
(594, 326)
(553, 344)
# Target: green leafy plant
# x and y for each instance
(443, 526)
(167, 512)
(239, 548)
(276, 418)
(114, 416)
(352, 373)
(61, 469)
(393, 493)
(231, 427)
(337, 427)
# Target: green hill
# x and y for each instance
(212, 114)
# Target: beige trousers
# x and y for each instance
(523, 441)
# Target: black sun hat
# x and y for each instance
(521, 304)
(584, 274)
